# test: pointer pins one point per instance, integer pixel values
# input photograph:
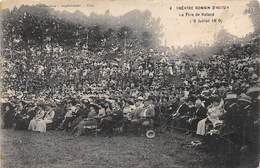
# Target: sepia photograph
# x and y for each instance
(129, 83)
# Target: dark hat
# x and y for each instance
(215, 98)
(96, 106)
(253, 90)
(129, 101)
(192, 98)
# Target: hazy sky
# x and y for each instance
(178, 30)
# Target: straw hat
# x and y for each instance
(231, 96)
(245, 98)
(140, 98)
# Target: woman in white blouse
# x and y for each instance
(41, 119)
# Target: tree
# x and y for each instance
(253, 11)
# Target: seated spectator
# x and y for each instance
(49, 115)
(80, 114)
(136, 117)
(148, 113)
(181, 115)
(215, 111)
(139, 108)
(91, 119)
(38, 123)
(21, 119)
(69, 117)
(112, 119)
(128, 109)
(172, 105)
(7, 115)
(247, 131)
(232, 117)
(93, 111)
(199, 113)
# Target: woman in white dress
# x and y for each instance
(35, 123)
(42, 118)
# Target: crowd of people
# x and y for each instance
(141, 88)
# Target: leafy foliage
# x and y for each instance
(39, 25)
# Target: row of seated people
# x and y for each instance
(236, 115)
(109, 114)
(72, 115)
(195, 114)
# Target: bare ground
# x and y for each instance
(56, 149)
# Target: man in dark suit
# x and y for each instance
(198, 114)
(180, 116)
(232, 117)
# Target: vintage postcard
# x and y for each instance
(129, 83)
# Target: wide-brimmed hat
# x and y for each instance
(231, 96)
(140, 98)
(253, 91)
(245, 98)
(205, 93)
(96, 106)
(198, 101)
(129, 101)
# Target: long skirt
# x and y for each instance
(37, 125)
(21, 124)
(201, 128)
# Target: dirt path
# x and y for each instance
(58, 150)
